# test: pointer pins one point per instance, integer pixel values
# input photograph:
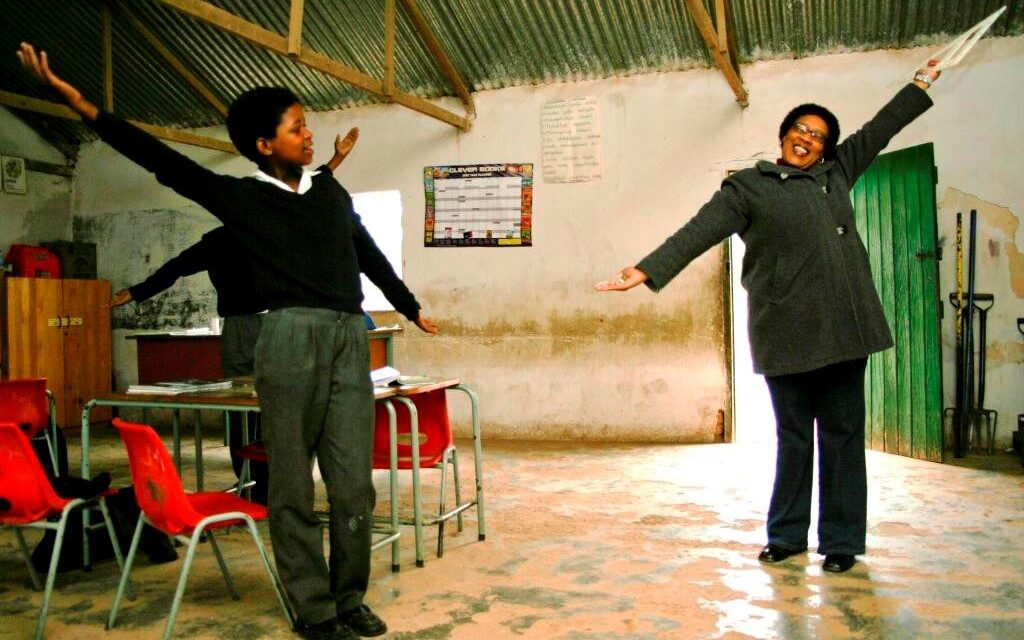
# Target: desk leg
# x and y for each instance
(417, 507)
(478, 459)
(393, 481)
(198, 429)
(176, 434)
(86, 560)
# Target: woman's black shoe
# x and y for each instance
(838, 562)
(774, 553)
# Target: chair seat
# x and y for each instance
(210, 503)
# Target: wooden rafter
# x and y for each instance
(164, 52)
(440, 56)
(295, 28)
(719, 44)
(45, 107)
(257, 35)
(389, 48)
(107, 37)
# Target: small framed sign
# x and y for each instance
(13, 169)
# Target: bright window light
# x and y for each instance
(381, 213)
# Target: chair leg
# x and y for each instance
(37, 584)
(441, 504)
(113, 543)
(223, 567)
(122, 585)
(52, 575)
(274, 580)
(458, 486)
(186, 567)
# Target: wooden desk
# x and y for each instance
(173, 356)
(241, 398)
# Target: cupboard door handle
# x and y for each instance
(65, 321)
(53, 322)
(75, 321)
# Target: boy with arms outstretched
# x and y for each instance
(312, 359)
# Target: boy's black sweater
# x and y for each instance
(228, 265)
(307, 250)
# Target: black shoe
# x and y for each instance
(838, 562)
(363, 621)
(774, 553)
(327, 630)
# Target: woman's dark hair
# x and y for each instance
(817, 110)
(255, 114)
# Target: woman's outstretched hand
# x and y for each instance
(39, 67)
(626, 280)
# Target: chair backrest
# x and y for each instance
(435, 431)
(23, 482)
(158, 488)
(24, 403)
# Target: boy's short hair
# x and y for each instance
(255, 114)
(831, 121)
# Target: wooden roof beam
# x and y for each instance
(257, 35)
(719, 46)
(440, 56)
(179, 67)
(45, 107)
(295, 28)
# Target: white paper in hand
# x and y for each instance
(951, 54)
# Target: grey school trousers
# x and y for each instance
(316, 398)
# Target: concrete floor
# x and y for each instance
(619, 541)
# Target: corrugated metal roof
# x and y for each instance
(493, 43)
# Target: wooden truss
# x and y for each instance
(720, 43)
(290, 46)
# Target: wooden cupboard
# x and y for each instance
(58, 330)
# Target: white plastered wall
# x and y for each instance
(549, 357)
(43, 213)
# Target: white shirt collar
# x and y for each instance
(305, 182)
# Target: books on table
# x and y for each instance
(390, 376)
(384, 376)
(176, 387)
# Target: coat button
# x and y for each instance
(824, 188)
(841, 229)
(783, 175)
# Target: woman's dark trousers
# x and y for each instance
(832, 397)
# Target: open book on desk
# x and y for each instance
(176, 387)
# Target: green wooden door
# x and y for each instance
(895, 206)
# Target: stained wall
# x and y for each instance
(549, 357)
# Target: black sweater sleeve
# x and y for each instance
(192, 260)
(172, 169)
(375, 265)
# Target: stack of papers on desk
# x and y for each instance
(180, 386)
(384, 376)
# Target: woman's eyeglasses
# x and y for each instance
(814, 133)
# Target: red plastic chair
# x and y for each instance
(436, 451)
(28, 404)
(34, 504)
(189, 517)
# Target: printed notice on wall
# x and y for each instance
(571, 133)
(479, 205)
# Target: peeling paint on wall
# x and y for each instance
(134, 244)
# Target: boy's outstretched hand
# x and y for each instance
(38, 65)
(343, 146)
(426, 324)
